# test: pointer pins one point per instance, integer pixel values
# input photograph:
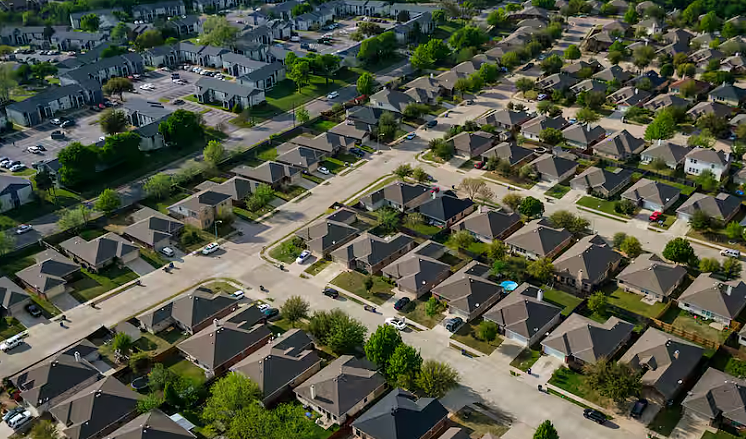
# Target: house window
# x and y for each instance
(694, 161)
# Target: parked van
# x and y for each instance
(11, 343)
(730, 253)
(19, 420)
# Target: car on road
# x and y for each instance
(431, 123)
(12, 342)
(32, 309)
(33, 150)
(728, 252)
(655, 216)
(323, 170)
(411, 136)
(528, 66)
(295, 39)
(401, 303)
(332, 95)
(23, 228)
(542, 96)
(453, 324)
(68, 123)
(178, 102)
(238, 294)
(56, 121)
(210, 248)
(331, 292)
(305, 254)
(396, 323)
(17, 168)
(168, 251)
(594, 415)
(639, 407)
(57, 135)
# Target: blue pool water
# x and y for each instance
(509, 285)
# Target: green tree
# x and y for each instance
(731, 268)
(551, 64)
(151, 38)
(302, 114)
(618, 239)
(631, 247)
(118, 86)
(432, 307)
(403, 365)
(387, 126)
(513, 201)
(710, 22)
(382, 343)
(687, 70)
(613, 380)
(572, 52)
(300, 73)
(120, 32)
(598, 302)
(421, 58)
(707, 181)
(72, 219)
(541, 269)
(420, 175)
(182, 128)
(435, 379)
(631, 17)
(531, 207)
(551, 136)
(586, 115)
(733, 230)
(700, 220)
(77, 162)
(214, 153)
(667, 70)
(730, 30)
(42, 70)
(403, 170)
(218, 32)
(525, 84)
(295, 309)
(44, 430)
(368, 283)
(510, 60)
(662, 127)
(709, 265)
(122, 343)
(462, 239)
(108, 201)
(546, 430)
(489, 72)
(229, 395)
(468, 36)
(497, 250)
(680, 250)
(388, 218)
(487, 330)
(90, 22)
(158, 186)
(262, 196)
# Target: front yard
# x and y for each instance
(287, 251)
(477, 424)
(317, 267)
(354, 282)
(558, 191)
(511, 179)
(416, 311)
(526, 358)
(605, 206)
(92, 285)
(467, 335)
(576, 384)
(9, 327)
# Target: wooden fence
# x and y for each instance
(667, 327)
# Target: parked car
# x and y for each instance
(58, 135)
(68, 123)
(270, 313)
(12, 412)
(168, 251)
(401, 303)
(542, 96)
(431, 123)
(210, 248)
(17, 168)
(33, 150)
(453, 324)
(12, 163)
(295, 39)
(323, 170)
(41, 147)
(20, 420)
(396, 323)
(55, 121)
(411, 136)
(305, 254)
(479, 165)
(23, 228)
(32, 309)
(331, 292)
(638, 408)
(528, 66)
(729, 252)
(332, 95)
(11, 343)
(594, 415)
(263, 306)
(178, 102)
(655, 216)
(238, 294)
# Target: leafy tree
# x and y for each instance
(387, 126)
(625, 206)
(667, 70)
(730, 30)
(300, 73)
(151, 38)
(574, 224)
(283, 421)
(122, 343)
(709, 265)
(731, 268)
(631, 247)
(44, 430)
(707, 181)
(182, 128)
(420, 175)
(597, 303)
(403, 365)
(734, 230)
(382, 343)
(90, 22)
(8, 79)
(118, 86)
(615, 57)
(72, 218)
(77, 162)
(686, 70)
(435, 379)
(214, 153)
(489, 72)
(700, 220)
(510, 60)
(120, 32)
(295, 309)
(42, 70)
(531, 207)
(487, 330)
(551, 136)
(541, 269)
(421, 58)
(513, 201)
(403, 170)
(468, 36)
(262, 195)
(108, 201)
(618, 239)
(158, 186)
(662, 127)
(229, 395)
(302, 114)
(613, 380)
(717, 125)
(572, 52)
(368, 283)
(462, 238)
(497, 250)
(414, 219)
(546, 430)
(365, 84)
(679, 250)
(709, 23)
(388, 218)
(551, 64)
(525, 84)
(432, 307)
(218, 32)
(159, 376)
(631, 17)
(586, 115)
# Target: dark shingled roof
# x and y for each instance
(220, 342)
(400, 415)
(588, 340)
(151, 425)
(445, 207)
(489, 224)
(522, 312)
(718, 394)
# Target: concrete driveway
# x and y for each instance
(28, 320)
(140, 266)
(64, 302)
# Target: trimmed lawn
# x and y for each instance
(515, 181)
(467, 335)
(92, 234)
(93, 285)
(285, 95)
(429, 156)
(575, 383)
(323, 125)
(681, 319)
(251, 215)
(425, 229)
(558, 191)
(666, 419)
(317, 267)
(719, 435)
(24, 259)
(9, 327)
(353, 282)
(633, 303)
(477, 424)
(566, 301)
(46, 306)
(291, 192)
(267, 154)
(477, 247)
(526, 359)
(604, 206)
(415, 311)
(161, 341)
(286, 254)
(152, 257)
(162, 205)
(221, 287)
(185, 369)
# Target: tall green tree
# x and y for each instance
(182, 128)
(159, 186)
(229, 395)
(546, 430)
(113, 121)
(78, 163)
(531, 207)
(108, 201)
(295, 309)
(90, 22)
(403, 365)
(118, 86)
(680, 250)
(435, 379)
(214, 153)
(218, 32)
(382, 344)
(365, 84)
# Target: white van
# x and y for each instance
(730, 253)
(295, 39)
(11, 343)
(19, 420)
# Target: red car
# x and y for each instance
(656, 216)
(435, 190)
(479, 165)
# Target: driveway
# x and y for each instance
(28, 320)
(65, 302)
(140, 266)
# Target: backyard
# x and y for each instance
(185, 369)
(467, 335)
(162, 205)
(354, 282)
(633, 303)
(92, 285)
(684, 321)
(566, 301)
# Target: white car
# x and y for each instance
(55, 121)
(730, 253)
(33, 150)
(324, 171)
(263, 306)
(23, 228)
(396, 323)
(305, 254)
(238, 294)
(210, 248)
(332, 95)
(295, 39)
(102, 139)
(168, 251)
(20, 420)
(12, 342)
(18, 167)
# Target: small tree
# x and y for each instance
(414, 219)
(700, 220)
(118, 86)
(546, 431)
(432, 307)
(475, 187)
(302, 114)
(420, 175)
(734, 230)
(541, 269)
(709, 265)
(295, 309)
(113, 121)
(586, 115)
(497, 250)
(403, 365)
(618, 239)
(462, 238)
(368, 283)
(731, 268)
(388, 218)
(403, 170)
(597, 303)
(158, 186)
(572, 52)
(122, 343)
(625, 206)
(513, 201)
(707, 181)
(613, 380)
(681, 251)
(108, 201)
(214, 153)
(487, 330)
(44, 430)
(365, 84)
(531, 207)
(435, 379)
(631, 247)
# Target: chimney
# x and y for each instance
(676, 354)
(77, 357)
(540, 295)
(579, 279)
(216, 323)
(729, 289)
(313, 391)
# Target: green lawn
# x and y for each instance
(185, 369)
(20, 94)
(558, 191)
(513, 180)
(575, 383)
(681, 319)
(526, 359)
(285, 95)
(719, 435)
(285, 253)
(152, 257)
(161, 341)
(91, 234)
(323, 125)
(605, 206)
(467, 335)
(415, 311)
(429, 156)
(633, 303)
(290, 192)
(566, 301)
(23, 259)
(9, 327)
(251, 215)
(317, 267)
(352, 281)
(92, 285)
(162, 205)
(477, 424)
(666, 419)
(447, 29)
(221, 287)
(425, 229)
(477, 247)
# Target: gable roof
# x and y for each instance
(400, 415)
(538, 237)
(630, 96)
(523, 311)
(669, 152)
(583, 134)
(710, 156)
(326, 234)
(10, 293)
(707, 107)
(151, 425)
(300, 156)
(489, 224)
(466, 291)
(594, 178)
(553, 166)
(445, 207)
(470, 142)
(371, 248)
(393, 98)
(267, 172)
(613, 73)
(509, 152)
(589, 259)
(49, 271)
(648, 272)
(508, 117)
(720, 207)
(666, 100)
(154, 229)
(220, 342)
(652, 191)
(10, 184)
(99, 250)
(621, 143)
(718, 394)
(202, 200)
(418, 267)
(667, 361)
(190, 309)
(535, 126)
(588, 340)
(724, 298)
(401, 193)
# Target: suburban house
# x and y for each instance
(511, 153)
(104, 69)
(620, 146)
(141, 112)
(468, 295)
(713, 299)
(153, 229)
(235, 187)
(672, 154)
(533, 128)
(50, 102)
(191, 312)
(401, 196)
(371, 253)
(629, 96)
(667, 363)
(12, 298)
(554, 169)
(342, 389)
(96, 410)
(587, 264)
(715, 398)
(735, 64)
(489, 225)
(446, 210)
(539, 240)
(325, 236)
(101, 252)
(601, 182)
(557, 81)
(202, 209)
(328, 144)
(149, 12)
(652, 195)
(226, 342)
(716, 108)
(469, 145)
(228, 94)
(665, 101)
(48, 383)
(282, 364)
(419, 270)
(14, 192)
(307, 159)
(699, 88)
(701, 159)
(583, 136)
(507, 120)
(590, 85)
(357, 135)
(579, 340)
(728, 94)
(276, 175)
(50, 275)
(524, 316)
(152, 424)
(391, 100)
(600, 42)
(613, 73)
(401, 412)
(722, 207)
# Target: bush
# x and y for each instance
(487, 330)
(626, 207)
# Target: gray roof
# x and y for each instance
(371, 248)
(707, 107)
(652, 191)
(590, 259)
(350, 131)
(230, 88)
(401, 193)
(49, 271)
(612, 73)
(10, 184)
(489, 224)
(539, 237)
(301, 156)
(201, 200)
(719, 207)
(724, 298)
(508, 117)
(236, 187)
(445, 207)
(83, 36)
(395, 99)
(10, 293)
(365, 114)
(574, 68)
(417, 268)
(222, 341)
(667, 361)
(594, 178)
(467, 292)
(630, 96)
(99, 250)
(263, 72)
(267, 172)
(471, 142)
(400, 415)
(523, 312)
(31, 104)
(154, 229)
(152, 109)
(583, 134)
(151, 425)
(535, 126)
(510, 152)
(718, 394)
(553, 166)
(648, 272)
(190, 309)
(666, 100)
(95, 408)
(588, 340)
(557, 81)
(326, 235)
(710, 156)
(669, 152)
(326, 142)
(280, 362)
(342, 385)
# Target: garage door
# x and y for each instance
(554, 353)
(517, 337)
(652, 206)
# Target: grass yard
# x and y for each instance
(447, 29)
(286, 252)
(317, 267)
(162, 205)
(267, 154)
(558, 191)
(9, 327)
(415, 311)
(666, 419)
(425, 229)
(431, 157)
(323, 125)
(604, 206)
(20, 94)
(285, 95)
(526, 359)
(467, 335)
(290, 192)
(477, 424)
(47, 307)
(477, 247)
(221, 287)
(91, 234)
(575, 383)
(513, 180)
(161, 341)
(152, 257)
(566, 301)
(719, 435)
(633, 303)
(684, 321)
(24, 259)
(185, 369)
(92, 285)
(352, 281)
(251, 215)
